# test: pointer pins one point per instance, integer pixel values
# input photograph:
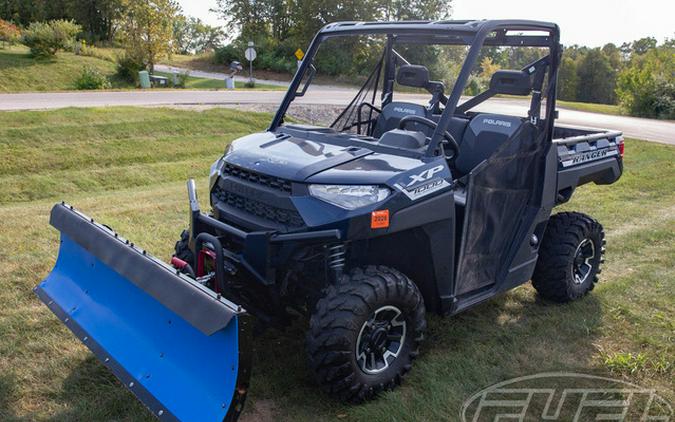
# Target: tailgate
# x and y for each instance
(587, 156)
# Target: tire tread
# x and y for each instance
(328, 344)
(552, 275)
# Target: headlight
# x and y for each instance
(349, 196)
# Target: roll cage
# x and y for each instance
(472, 33)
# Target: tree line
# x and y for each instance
(639, 75)
(280, 27)
(146, 30)
(107, 22)
(98, 19)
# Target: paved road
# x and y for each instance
(216, 75)
(651, 130)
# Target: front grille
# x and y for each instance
(261, 179)
(289, 218)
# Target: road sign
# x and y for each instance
(250, 54)
(299, 54)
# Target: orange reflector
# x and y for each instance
(379, 219)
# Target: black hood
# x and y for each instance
(297, 159)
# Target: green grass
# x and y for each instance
(19, 71)
(592, 107)
(205, 83)
(189, 61)
(127, 167)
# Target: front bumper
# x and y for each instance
(259, 253)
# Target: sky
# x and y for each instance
(585, 22)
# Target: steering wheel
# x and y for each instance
(448, 138)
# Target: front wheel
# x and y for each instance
(182, 249)
(365, 332)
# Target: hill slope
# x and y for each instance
(21, 72)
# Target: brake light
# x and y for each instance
(621, 147)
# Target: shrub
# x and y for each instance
(646, 87)
(91, 78)
(181, 79)
(46, 38)
(128, 67)
(9, 33)
(227, 54)
(271, 56)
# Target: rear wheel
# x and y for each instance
(570, 257)
(365, 333)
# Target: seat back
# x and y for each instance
(484, 134)
(392, 114)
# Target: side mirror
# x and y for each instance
(511, 82)
(413, 75)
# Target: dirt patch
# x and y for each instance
(314, 114)
(261, 411)
(319, 115)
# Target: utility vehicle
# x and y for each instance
(396, 210)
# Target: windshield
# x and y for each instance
(433, 77)
(349, 84)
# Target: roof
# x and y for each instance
(467, 26)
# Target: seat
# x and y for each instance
(392, 114)
(484, 134)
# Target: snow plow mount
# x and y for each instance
(257, 247)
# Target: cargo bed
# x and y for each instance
(586, 155)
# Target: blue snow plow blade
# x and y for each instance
(179, 347)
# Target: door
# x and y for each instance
(504, 200)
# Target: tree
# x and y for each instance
(24, 12)
(596, 78)
(643, 45)
(147, 29)
(249, 17)
(415, 9)
(646, 87)
(567, 79)
(613, 54)
(193, 36)
(99, 18)
(46, 38)
(279, 27)
(9, 33)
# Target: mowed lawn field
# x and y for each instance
(127, 167)
(20, 72)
